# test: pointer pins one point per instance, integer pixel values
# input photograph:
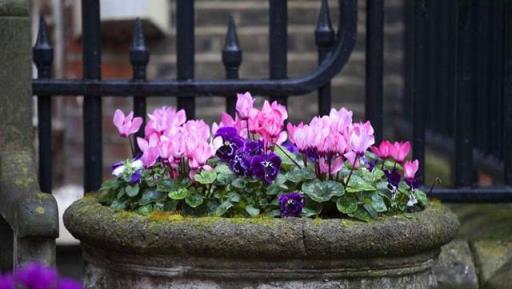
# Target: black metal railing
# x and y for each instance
(456, 95)
(334, 50)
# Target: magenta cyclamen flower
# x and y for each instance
(126, 125)
(291, 204)
(383, 151)
(410, 169)
(400, 150)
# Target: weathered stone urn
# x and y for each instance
(126, 250)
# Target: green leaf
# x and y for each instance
(252, 211)
(194, 200)
(378, 203)
(179, 194)
(149, 197)
(320, 191)
(119, 205)
(346, 204)
(234, 197)
(165, 185)
(275, 189)
(223, 208)
(145, 210)
(222, 169)
(360, 214)
(299, 175)
(311, 211)
(421, 196)
(358, 184)
(206, 177)
(239, 183)
(371, 211)
(132, 191)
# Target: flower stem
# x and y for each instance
(287, 155)
(132, 148)
(351, 171)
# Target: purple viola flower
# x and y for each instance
(371, 165)
(291, 204)
(227, 132)
(413, 183)
(291, 147)
(37, 276)
(266, 167)
(393, 177)
(67, 283)
(7, 281)
(230, 147)
(135, 177)
(241, 164)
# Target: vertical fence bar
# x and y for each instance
(278, 26)
(419, 85)
(324, 39)
(91, 45)
(507, 97)
(43, 58)
(374, 65)
(464, 122)
(231, 58)
(185, 50)
(139, 59)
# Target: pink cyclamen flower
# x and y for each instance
(400, 150)
(335, 167)
(163, 120)
(150, 150)
(244, 105)
(383, 151)
(126, 125)
(360, 137)
(269, 123)
(340, 119)
(410, 169)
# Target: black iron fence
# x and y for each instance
(334, 49)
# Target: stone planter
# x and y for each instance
(126, 250)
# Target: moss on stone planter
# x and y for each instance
(398, 235)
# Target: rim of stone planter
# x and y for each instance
(409, 242)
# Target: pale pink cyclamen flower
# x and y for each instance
(400, 150)
(360, 137)
(126, 125)
(336, 165)
(203, 152)
(171, 149)
(150, 150)
(318, 134)
(244, 105)
(410, 169)
(383, 151)
(164, 119)
(340, 119)
(269, 123)
(298, 136)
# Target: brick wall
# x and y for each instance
(252, 25)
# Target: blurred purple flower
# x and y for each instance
(291, 204)
(413, 183)
(227, 133)
(7, 281)
(36, 276)
(68, 283)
